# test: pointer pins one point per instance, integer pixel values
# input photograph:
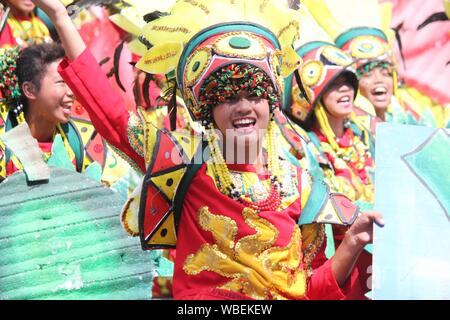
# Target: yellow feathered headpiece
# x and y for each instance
(361, 28)
(131, 18)
(198, 37)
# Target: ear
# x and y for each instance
(29, 90)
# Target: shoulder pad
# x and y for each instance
(172, 155)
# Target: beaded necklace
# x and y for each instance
(34, 32)
(225, 182)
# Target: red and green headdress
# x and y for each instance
(322, 64)
(216, 50)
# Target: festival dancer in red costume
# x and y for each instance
(235, 226)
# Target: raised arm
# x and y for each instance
(105, 106)
(70, 38)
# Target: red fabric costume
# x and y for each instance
(111, 119)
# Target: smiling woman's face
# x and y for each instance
(377, 86)
(243, 120)
(338, 99)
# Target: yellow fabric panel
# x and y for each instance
(188, 141)
(168, 182)
(329, 214)
(115, 167)
(165, 234)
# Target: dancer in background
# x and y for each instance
(35, 93)
(22, 27)
(364, 32)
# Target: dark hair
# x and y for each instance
(33, 62)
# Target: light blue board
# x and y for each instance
(411, 253)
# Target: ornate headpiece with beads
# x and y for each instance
(216, 34)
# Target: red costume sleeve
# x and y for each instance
(363, 264)
(323, 286)
(105, 106)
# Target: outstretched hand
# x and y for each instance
(361, 232)
(357, 237)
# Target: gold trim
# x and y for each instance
(273, 63)
(331, 54)
(237, 54)
(135, 134)
(311, 250)
(192, 82)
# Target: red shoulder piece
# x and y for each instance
(157, 221)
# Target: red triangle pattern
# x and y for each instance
(168, 156)
(96, 150)
(156, 208)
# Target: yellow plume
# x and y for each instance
(187, 17)
(338, 16)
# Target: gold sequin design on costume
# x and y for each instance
(254, 266)
(135, 134)
(313, 236)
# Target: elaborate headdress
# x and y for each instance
(217, 34)
(322, 64)
(225, 47)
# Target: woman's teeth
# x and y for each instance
(379, 91)
(243, 123)
(344, 99)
